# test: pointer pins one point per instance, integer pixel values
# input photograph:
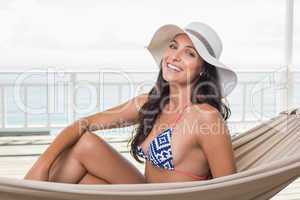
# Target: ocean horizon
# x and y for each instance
(261, 100)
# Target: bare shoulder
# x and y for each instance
(206, 120)
(202, 112)
(203, 107)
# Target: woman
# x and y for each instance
(181, 131)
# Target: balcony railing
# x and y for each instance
(36, 101)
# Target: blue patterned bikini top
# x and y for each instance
(159, 150)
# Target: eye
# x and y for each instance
(172, 46)
(190, 53)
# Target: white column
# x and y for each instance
(287, 75)
(289, 51)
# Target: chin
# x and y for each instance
(171, 79)
(168, 77)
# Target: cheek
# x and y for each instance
(194, 69)
(167, 52)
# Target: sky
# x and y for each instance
(76, 34)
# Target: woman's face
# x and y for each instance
(181, 63)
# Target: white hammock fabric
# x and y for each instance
(267, 157)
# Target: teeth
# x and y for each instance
(174, 67)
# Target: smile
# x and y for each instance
(174, 68)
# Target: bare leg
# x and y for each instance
(90, 179)
(92, 158)
(66, 168)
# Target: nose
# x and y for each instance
(176, 56)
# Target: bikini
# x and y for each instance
(160, 152)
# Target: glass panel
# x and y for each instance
(111, 96)
(14, 107)
(236, 103)
(37, 105)
(59, 114)
(86, 99)
(296, 100)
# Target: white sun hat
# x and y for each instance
(207, 43)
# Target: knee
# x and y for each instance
(87, 143)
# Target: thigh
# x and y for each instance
(66, 168)
(90, 179)
(101, 160)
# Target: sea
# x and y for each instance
(56, 99)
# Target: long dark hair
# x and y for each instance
(206, 90)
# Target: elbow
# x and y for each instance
(234, 168)
(230, 171)
(224, 172)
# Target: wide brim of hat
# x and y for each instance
(161, 39)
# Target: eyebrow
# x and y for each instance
(185, 46)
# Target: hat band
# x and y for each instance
(203, 40)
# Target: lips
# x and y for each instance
(174, 67)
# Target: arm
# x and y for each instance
(122, 115)
(214, 138)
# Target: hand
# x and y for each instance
(38, 172)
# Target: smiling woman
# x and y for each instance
(191, 84)
(188, 85)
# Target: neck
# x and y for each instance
(180, 96)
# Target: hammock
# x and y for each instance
(267, 156)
